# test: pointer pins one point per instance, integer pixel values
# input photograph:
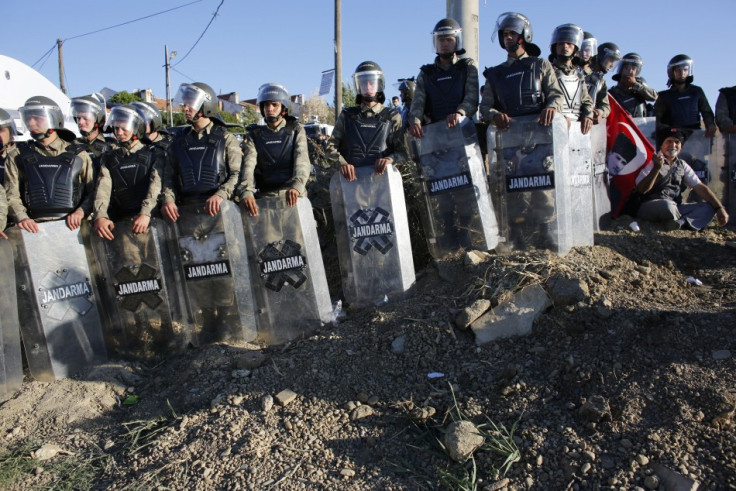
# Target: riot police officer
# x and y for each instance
(585, 56)
(726, 110)
(523, 84)
(204, 160)
(129, 182)
(7, 132)
(682, 105)
(89, 113)
(275, 156)
(368, 134)
(406, 91)
(448, 88)
(49, 177)
(606, 59)
(576, 104)
(632, 91)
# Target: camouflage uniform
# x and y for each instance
(300, 158)
(15, 182)
(3, 209)
(233, 159)
(104, 188)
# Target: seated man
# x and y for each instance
(662, 182)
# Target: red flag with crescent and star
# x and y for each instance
(628, 151)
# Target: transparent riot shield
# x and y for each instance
(214, 273)
(372, 234)
(579, 192)
(61, 329)
(648, 127)
(702, 154)
(729, 176)
(286, 263)
(458, 211)
(601, 198)
(11, 367)
(530, 176)
(143, 315)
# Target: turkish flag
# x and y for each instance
(628, 151)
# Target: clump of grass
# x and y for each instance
(142, 433)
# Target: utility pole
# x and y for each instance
(62, 86)
(167, 64)
(338, 59)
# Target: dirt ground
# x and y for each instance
(630, 386)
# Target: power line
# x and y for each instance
(46, 54)
(180, 73)
(131, 21)
(201, 35)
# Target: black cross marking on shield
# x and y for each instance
(275, 281)
(377, 216)
(133, 301)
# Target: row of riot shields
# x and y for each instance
(199, 280)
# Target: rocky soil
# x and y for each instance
(626, 382)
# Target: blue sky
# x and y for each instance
(291, 41)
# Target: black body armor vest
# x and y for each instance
(275, 155)
(131, 176)
(683, 107)
(444, 89)
(594, 83)
(518, 86)
(365, 138)
(202, 166)
(632, 103)
(52, 187)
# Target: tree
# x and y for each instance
(124, 97)
(348, 95)
(316, 106)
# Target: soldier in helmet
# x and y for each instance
(726, 110)
(577, 104)
(129, 182)
(606, 59)
(368, 134)
(204, 160)
(90, 114)
(447, 89)
(586, 54)
(49, 177)
(523, 84)
(682, 105)
(632, 91)
(275, 156)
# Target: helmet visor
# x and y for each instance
(145, 111)
(39, 119)
(124, 117)
(192, 96)
(509, 21)
(680, 69)
(85, 109)
(368, 83)
(568, 34)
(273, 92)
(588, 48)
(447, 41)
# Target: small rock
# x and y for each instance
(675, 481)
(266, 403)
(461, 439)
(723, 354)
(361, 412)
(469, 314)
(38, 471)
(651, 482)
(347, 472)
(642, 459)
(288, 425)
(398, 345)
(217, 401)
(237, 400)
(240, 373)
(540, 460)
(589, 455)
(645, 270)
(502, 484)
(351, 405)
(586, 467)
(363, 397)
(567, 291)
(48, 451)
(250, 360)
(626, 443)
(421, 414)
(514, 317)
(285, 397)
(372, 400)
(474, 258)
(595, 410)
(108, 445)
